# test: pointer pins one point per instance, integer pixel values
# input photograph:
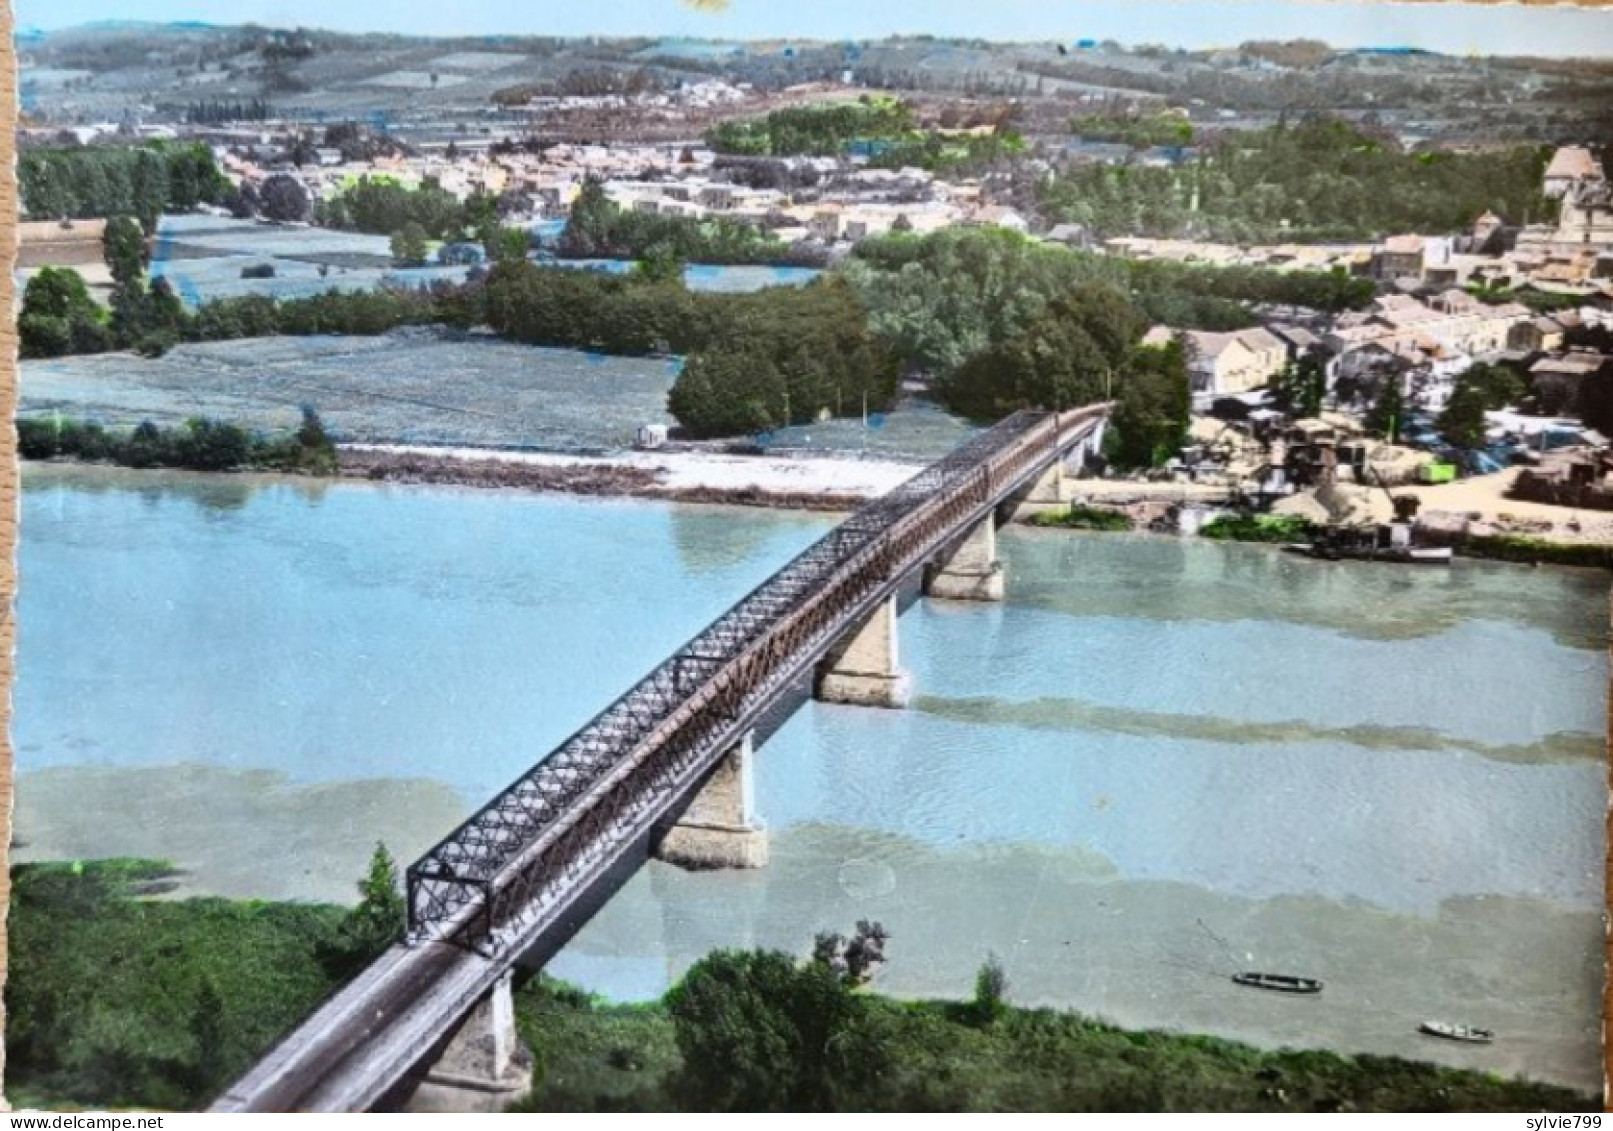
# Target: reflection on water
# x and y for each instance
(1386, 778)
(224, 492)
(709, 540)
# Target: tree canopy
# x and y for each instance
(98, 181)
(1319, 179)
(599, 228)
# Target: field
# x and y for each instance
(408, 387)
(419, 386)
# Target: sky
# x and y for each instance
(1451, 28)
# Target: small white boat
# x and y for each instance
(1450, 1032)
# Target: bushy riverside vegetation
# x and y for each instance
(143, 181)
(1521, 548)
(1079, 517)
(113, 999)
(1314, 180)
(198, 445)
(1259, 528)
(123, 1001)
(758, 1031)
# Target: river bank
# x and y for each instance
(820, 484)
(182, 1005)
(1492, 526)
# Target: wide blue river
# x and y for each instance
(1158, 762)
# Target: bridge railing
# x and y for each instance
(559, 824)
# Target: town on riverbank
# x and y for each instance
(1344, 300)
(1449, 339)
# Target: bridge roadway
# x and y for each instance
(518, 878)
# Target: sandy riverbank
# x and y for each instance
(818, 483)
(823, 482)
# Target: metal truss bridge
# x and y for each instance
(513, 883)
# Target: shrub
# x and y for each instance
(1259, 528)
(1081, 517)
(991, 991)
(200, 445)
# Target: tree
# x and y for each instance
(284, 199)
(311, 433)
(123, 246)
(1596, 401)
(852, 960)
(58, 316)
(1301, 385)
(661, 264)
(244, 202)
(729, 392)
(1154, 403)
(148, 188)
(759, 1033)
(316, 452)
(588, 227)
(991, 991)
(304, 152)
(501, 244)
(378, 921)
(1386, 416)
(1479, 389)
(1462, 422)
(141, 180)
(409, 245)
(210, 445)
(1064, 358)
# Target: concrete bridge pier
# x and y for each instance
(719, 829)
(971, 572)
(484, 1067)
(1050, 491)
(861, 669)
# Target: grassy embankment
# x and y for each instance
(124, 1001)
(941, 1057)
(113, 999)
(1519, 548)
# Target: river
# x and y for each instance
(1159, 761)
